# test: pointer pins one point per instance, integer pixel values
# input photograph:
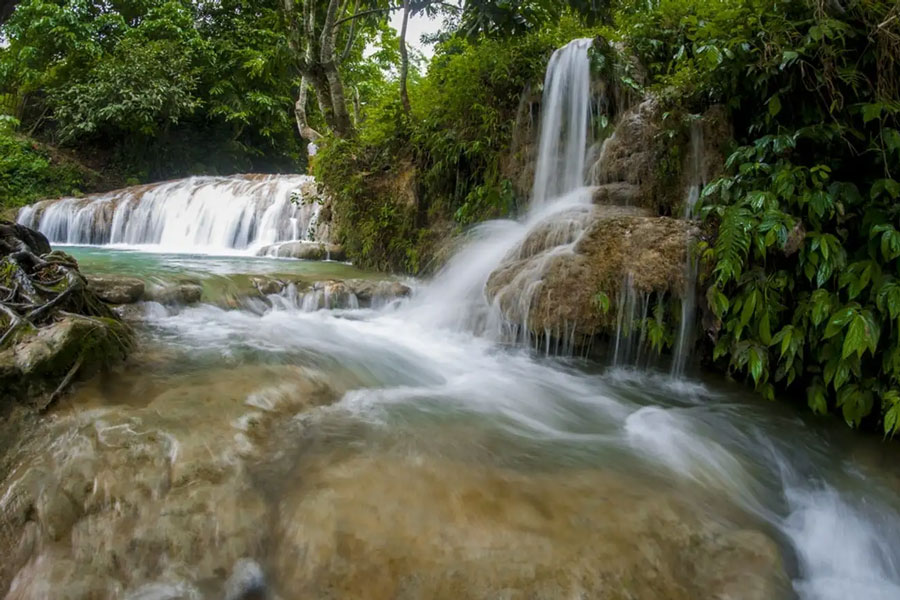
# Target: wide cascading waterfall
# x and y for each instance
(565, 124)
(198, 214)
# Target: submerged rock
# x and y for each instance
(116, 289)
(153, 497)
(457, 529)
(304, 250)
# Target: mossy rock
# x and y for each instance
(33, 367)
(40, 364)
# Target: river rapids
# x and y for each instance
(412, 451)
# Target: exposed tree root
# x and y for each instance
(39, 287)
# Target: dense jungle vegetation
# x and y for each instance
(801, 246)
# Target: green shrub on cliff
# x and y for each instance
(30, 171)
(406, 178)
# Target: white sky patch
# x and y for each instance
(418, 25)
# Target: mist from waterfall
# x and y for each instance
(214, 215)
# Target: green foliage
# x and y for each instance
(29, 171)
(803, 242)
(156, 88)
(505, 18)
(405, 179)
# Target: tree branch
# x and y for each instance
(366, 13)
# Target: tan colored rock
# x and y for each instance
(116, 289)
(178, 293)
(151, 495)
(620, 193)
(552, 286)
(629, 154)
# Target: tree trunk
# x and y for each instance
(343, 125)
(404, 59)
(306, 132)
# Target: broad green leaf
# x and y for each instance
(856, 340)
(838, 321)
(774, 105)
(815, 398)
(872, 111)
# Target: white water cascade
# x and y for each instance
(688, 299)
(560, 209)
(565, 123)
(200, 214)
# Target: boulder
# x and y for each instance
(43, 359)
(551, 286)
(177, 293)
(369, 291)
(14, 237)
(266, 285)
(304, 251)
(116, 289)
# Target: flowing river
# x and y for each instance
(368, 454)
(406, 451)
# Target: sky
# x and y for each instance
(417, 26)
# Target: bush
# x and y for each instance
(803, 246)
(29, 172)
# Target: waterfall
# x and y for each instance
(559, 213)
(198, 214)
(565, 123)
(685, 341)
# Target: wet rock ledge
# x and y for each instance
(53, 328)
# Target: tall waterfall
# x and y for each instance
(560, 209)
(565, 123)
(198, 214)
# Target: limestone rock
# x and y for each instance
(116, 289)
(551, 286)
(266, 286)
(177, 293)
(629, 154)
(304, 251)
(620, 193)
